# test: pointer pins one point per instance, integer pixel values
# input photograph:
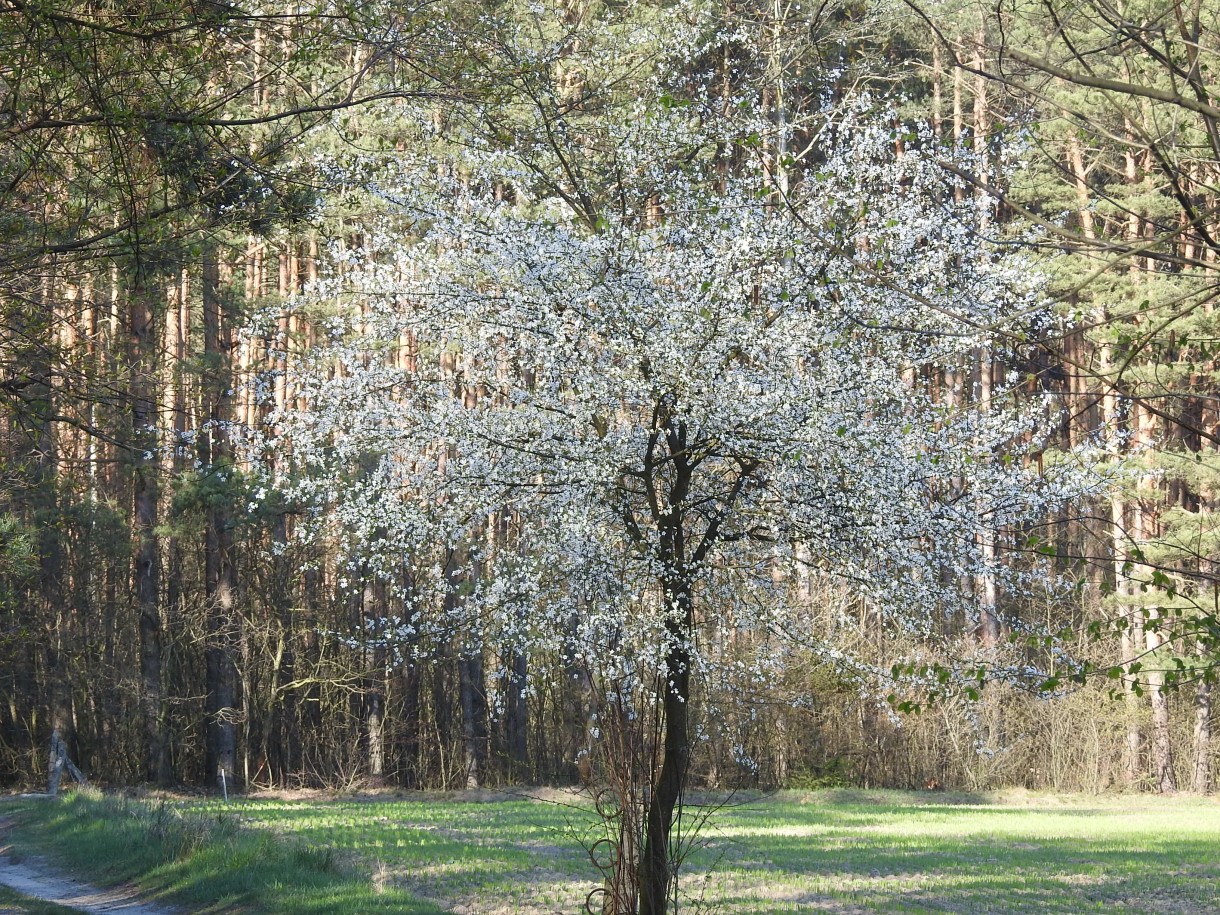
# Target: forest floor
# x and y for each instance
(837, 851)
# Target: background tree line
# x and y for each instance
(160, 171)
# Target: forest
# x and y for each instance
(645, 396)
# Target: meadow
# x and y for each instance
(840, 851)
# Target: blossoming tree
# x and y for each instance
(676, 397)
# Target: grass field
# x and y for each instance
(831, 851)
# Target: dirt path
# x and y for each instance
(33, 878)
(41, 883)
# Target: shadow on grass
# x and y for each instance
(1000, 875)
(893, 874)
(502, 836)
(862, 796)
(841, 850)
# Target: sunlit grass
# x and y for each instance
(198, 857)
(836, 851)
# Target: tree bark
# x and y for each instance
(516, 716)
(280, 731)
(656, 870)
(1201, 774)
(985, 591)
(1162, 746)
(1144, 531)
(982, 130)
(959, 127)
(36, 362)
(220, 570)
(375, 609)
(1163, 773)
(144, 447)
(656, 864)
(474, 714)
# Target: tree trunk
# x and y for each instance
(959, 128)
(36, 363)
(505, 536)
(1144, 530)
(516, 716)
(410, 718)
(375, 610)
(1201, 774)
(220, 570)
(656, 870)
(1133, 769)
(985, 587)
(1162, 746)
(410, 721)
(938, 75)
(1163, 773)
(374, 708)
(985, 592)
(982, 130)
(281, 734)
(1132, 635)
(474, 715)
(142, 356)
(444, 718)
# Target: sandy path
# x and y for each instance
(42, 883)
(34, 878)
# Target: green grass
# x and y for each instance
(834, 851)
(1019, 854)
(14, 903)
(198, 856)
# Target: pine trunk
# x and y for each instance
(220, 570)
(146, 490)
(1201, 773)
